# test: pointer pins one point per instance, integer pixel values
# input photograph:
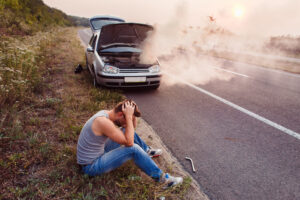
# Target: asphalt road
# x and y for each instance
(243, 134)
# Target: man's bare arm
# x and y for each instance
(109, 129)
(104, 126)
(134, 121)
(129, 131)
(128, 110)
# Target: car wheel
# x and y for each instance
(95, 83)
(87, 65)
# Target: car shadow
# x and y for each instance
(139, 91)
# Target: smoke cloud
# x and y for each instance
(180, 47)
(176, 45)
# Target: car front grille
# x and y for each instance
(134, 71)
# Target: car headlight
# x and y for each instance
(154, 69)
(110, 69)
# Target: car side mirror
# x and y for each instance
(90, 49)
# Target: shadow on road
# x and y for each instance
(139, 91)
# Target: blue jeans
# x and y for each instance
(115, 155)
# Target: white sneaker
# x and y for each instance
(154, 152)
(171, 180)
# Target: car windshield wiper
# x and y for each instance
(118, 45)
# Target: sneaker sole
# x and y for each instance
(154, 156)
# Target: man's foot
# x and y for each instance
(154, 152)
(170, 180)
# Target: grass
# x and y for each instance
(41, 117)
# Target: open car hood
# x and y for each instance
(98, 21)
(123, 33)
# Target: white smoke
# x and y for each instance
(176, 45)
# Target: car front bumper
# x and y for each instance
(119, 80)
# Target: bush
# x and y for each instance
(25, 17)
(18, 72)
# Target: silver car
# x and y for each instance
(113, 57)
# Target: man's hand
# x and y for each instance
(128, 109)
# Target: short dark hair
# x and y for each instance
(118, 108)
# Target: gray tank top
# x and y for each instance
(90, 146)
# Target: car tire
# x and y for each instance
(87, 65)
(95, 83)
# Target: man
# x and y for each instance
(103, 147)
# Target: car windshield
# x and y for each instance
(98, 23)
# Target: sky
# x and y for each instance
(244, 17)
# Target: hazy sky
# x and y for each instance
(255, 17)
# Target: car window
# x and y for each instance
(94, 42)
(91, 40)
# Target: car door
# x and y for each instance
(90, 53)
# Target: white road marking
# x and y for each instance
(219, 68)
(269, 56)
(256, 116)
(277, 71)
(260, 67)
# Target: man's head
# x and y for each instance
(120, 117)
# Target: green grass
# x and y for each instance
(40, 123)
(23, 17)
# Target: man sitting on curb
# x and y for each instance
(99, 147)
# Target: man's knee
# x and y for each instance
(135, 148)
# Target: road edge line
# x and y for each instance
(239, 108)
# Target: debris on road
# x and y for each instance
(191, 163)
